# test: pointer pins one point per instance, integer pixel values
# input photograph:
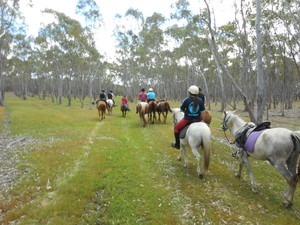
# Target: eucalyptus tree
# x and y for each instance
(221, 64)
(9, 26)
(192, 50)
(69, 48)
(152, 44)
(22, 66)
(282, 21)
(91, 66)
(129, 51)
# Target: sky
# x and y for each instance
(109, 8)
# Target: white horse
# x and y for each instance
(198, 134)
(142, 109)
(110, 105)
(280, 146)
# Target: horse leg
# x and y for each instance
(182, 152)
(291, 179)
(239, 173)
(158, 116)
(165, 116)
(292, 163)
(245, 160)
(198, 157)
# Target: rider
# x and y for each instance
(102, 96)
(124, 102)
(142, 97)
(151, 95)
(201, 95)
(192, 107)
(110, 95)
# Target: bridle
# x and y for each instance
(225, 127)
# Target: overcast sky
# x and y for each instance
(109, 8)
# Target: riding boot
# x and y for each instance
(177, 143)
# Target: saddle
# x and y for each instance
(244, 132)
(183, 131)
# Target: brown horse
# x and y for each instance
(142, 108)
(124, 109)
(152, 108)
(206, 117)
(101, 106)
(163, 107)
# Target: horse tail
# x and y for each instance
(142, 112)
(296, 142)
(206, 145)
(168, 107)
(153, 109)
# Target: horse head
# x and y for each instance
(227, 119)
(177, 115)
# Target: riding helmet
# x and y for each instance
(150, 89)
(194, 90)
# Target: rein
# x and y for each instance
(230, 142)
(225, 127)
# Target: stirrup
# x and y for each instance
(174, 145)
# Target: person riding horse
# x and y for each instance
(192, 107)
(102, 97)
(110, 95)
(151, 95)
(142, 97)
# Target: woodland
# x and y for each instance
(252, 59)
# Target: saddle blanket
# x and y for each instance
(251, 140)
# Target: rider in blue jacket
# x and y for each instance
(151, 95)
(192, 107)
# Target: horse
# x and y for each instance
(206, 117)
(152, 108)
(101, 106)
(163, 107)
(198, 134)
(110, 105)
(124, 109)
(279, 146)
(142, 108)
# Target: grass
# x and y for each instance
(82, 171)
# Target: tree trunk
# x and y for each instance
(260, 74)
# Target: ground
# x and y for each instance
(12, 147)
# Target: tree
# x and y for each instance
(9, 14)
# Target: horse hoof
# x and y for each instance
(254, 190)
(201, 176)
(287, 205)
(237, 175)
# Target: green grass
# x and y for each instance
(82, 171)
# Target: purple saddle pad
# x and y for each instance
(251, 140)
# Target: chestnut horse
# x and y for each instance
(206, 117)
(152, 108)
(163, 107)
(101, 106)
(142, 108)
